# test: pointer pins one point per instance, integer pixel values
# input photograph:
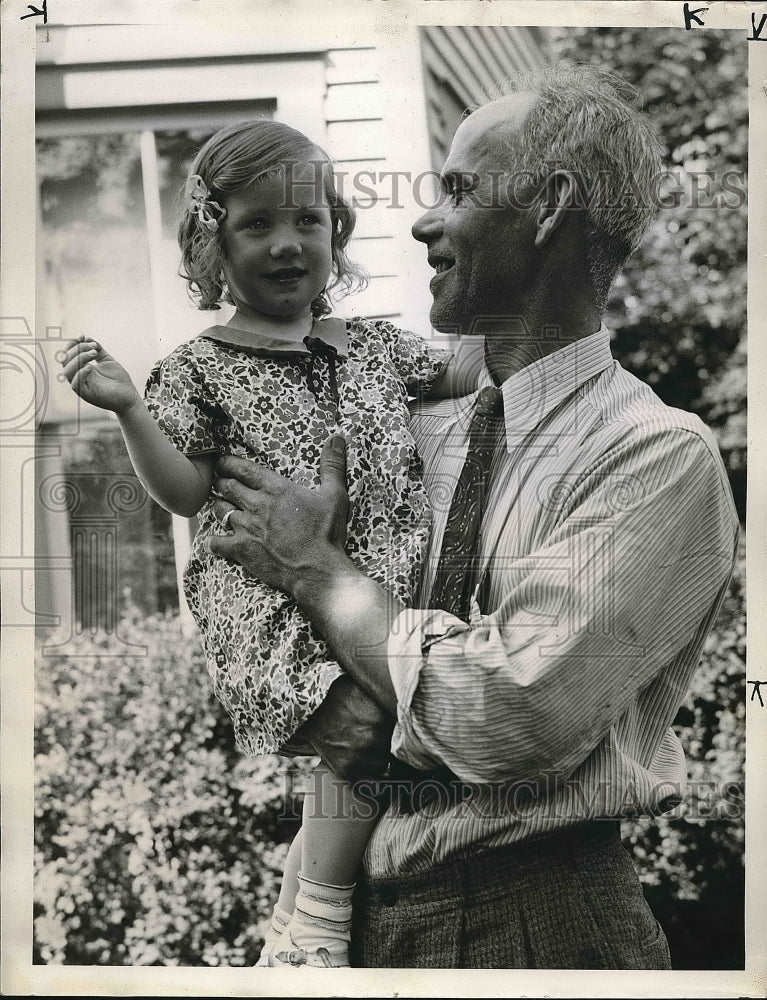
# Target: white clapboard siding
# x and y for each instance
(357, 65)
(353, 102)
(107, 86)
(462, 67)
(373, 223)
(362, 165)
(356, 139)
(361, 184)
(523, 46)
(380, 298)
(475, 58)
(377, 256)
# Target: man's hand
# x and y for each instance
(291, 538)
(282, 532)
(348, 731)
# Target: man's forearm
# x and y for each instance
(354, 615)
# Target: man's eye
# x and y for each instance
(458, 187)
(257, 224)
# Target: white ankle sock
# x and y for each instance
(280, 920)
(323, 916)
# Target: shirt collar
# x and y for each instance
(533, 392)
(330, 331)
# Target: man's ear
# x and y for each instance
(559, 197)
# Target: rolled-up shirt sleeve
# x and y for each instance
(628, 580)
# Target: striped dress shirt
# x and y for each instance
(607, 544)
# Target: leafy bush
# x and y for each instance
(678, 310)
(157, 844)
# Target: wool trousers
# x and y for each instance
(566, 901)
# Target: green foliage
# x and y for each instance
(679, 308)
(155, 842)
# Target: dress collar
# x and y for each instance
(330, 331)
(533, 392)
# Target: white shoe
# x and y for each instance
(319, 959)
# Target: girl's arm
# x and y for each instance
(461, 374)
(178, 483)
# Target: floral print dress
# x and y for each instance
(276, 402)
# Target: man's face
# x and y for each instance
(481, 250)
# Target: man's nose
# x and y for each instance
(429, 226)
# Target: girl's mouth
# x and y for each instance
(286, 275)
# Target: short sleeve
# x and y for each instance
(177, 398)
(417, 361)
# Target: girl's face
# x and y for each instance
(277, 243)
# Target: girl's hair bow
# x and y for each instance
(198, 201)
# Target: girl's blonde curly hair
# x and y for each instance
(230, 161)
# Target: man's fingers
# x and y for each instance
(221, 508)
(222, 545)
(237, 494)
(256, 477)
(229, 546)
(333, 473)
(225, 514)
(333, 462)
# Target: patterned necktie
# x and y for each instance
(456, 575)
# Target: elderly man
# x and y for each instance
(584, 536)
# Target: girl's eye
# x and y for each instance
(257, 224)
(309, 220)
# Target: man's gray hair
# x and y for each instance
(588, 121)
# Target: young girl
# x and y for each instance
(265, 230)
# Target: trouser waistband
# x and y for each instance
(488, 866)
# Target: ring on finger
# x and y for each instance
(225, 520)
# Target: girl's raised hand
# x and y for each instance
(98, 378)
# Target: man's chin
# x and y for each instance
(455, 327)
(442, 322)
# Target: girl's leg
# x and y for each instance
(286, 902)
(337, 822)
(289, 888)
(338, 819)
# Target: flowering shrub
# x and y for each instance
(158, 844)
